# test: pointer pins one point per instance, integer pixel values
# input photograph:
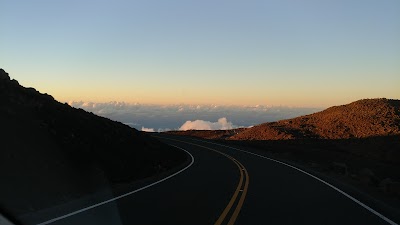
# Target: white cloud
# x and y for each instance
(148, 129)
(221, 124)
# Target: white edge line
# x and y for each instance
(121, 196)
(300, 170)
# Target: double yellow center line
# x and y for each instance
(241, 189)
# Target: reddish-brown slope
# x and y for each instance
(360, 119)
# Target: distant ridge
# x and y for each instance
(359, 119)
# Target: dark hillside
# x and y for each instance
(52, 150)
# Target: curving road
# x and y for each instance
(224, 185)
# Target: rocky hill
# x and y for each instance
(56, 152)
(360, 119)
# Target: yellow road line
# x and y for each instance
(233, 199)
(241, 200)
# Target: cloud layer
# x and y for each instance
(147, 129)
(221, 124)
(173, 117)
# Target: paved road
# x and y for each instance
(227, 186)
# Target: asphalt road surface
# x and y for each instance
(223, 185)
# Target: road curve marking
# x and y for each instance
(391, 222)
(232, 201)
(241, 200)
(123, 195)
(239, 189)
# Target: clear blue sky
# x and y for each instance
(302, 53)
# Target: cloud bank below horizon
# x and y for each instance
(159, 118)
(221, 124)
(147, 129)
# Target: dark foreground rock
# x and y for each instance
(52, 153)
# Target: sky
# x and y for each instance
(310, 53)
